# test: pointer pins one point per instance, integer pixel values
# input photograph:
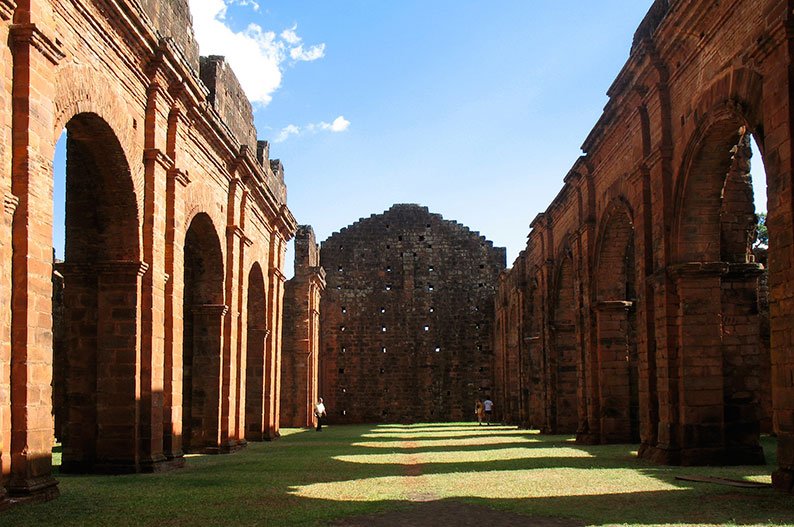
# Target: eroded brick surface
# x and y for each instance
(175, 239)
(639, 285)
(407, 318)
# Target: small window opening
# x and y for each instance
(430, 287)
(383, 349)
(344, 310)
(431, 268)
(342, 328)
(432, 310)
(427, 328)
(388, 287)
(383, 328)
(438, 349)
(383, 310)
(341, 370)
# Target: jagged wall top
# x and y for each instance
(172, 19)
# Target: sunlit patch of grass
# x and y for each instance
(449, 443)
(473, 456)
(503, 484)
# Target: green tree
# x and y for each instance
(761, 235)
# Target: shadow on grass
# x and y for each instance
(260, 485)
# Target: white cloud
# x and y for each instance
(340, 124)
(257, 56)
(307, 55)
(286, 132)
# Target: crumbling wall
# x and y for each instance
(407, 320)
(172, 19)
(299, 358)
(228, 98)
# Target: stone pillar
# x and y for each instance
(118, 366)
(742, 363)
(177, 181)
(157, 164)
(35, 55)
(9, 205)
(205, 426)
(9, 202)
(257, 383)
(613, 358)
(275, 303)
(700, 374)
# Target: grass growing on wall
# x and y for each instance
(309, 478)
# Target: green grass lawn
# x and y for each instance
(309, 478)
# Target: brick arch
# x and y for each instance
(615, 240)
(76, 93)
(716, 280)
(256, 370)
(563, 360)
(732, 102)
(204, 311)
(101, 301)
(201, 199)
(614, 415)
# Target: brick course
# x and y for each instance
(173, 205)
(406, 318)
(652, 234)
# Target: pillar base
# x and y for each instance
(587, 438)
(705, 456)
(162, 464)
(783, 480)
(43, 488)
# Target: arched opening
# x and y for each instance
(256, 411)
(722, 360)
(617, 408)
(96, 301)
(202, 337)
(563, 365)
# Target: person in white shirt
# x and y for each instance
(319, 413)
(488, 405)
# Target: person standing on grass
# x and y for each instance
(488, 407)
(319, 413)
(479, 411)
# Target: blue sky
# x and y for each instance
(475, 109)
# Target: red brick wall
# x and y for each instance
(406, 318)
(147, 158)
(668, 334)
(300, 356)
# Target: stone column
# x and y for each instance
(80, 343)
(257, 383)
(157, 164)
(741, 345)
(206, 430)
(9, 206)
(614, 397)
(118, 392)
(177, 181)
(35, 55)
(275, 302)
